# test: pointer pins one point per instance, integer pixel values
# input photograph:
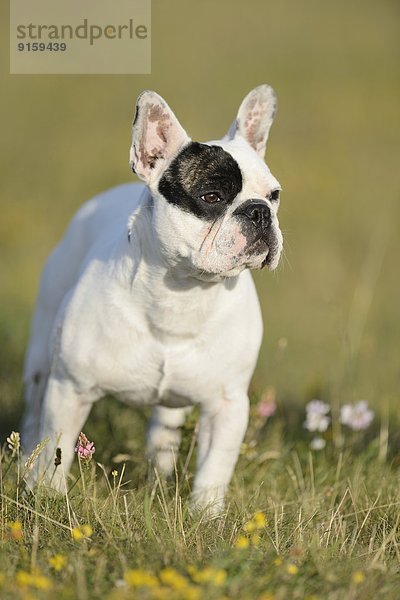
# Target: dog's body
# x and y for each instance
(148, 296)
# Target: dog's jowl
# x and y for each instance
(149, 295)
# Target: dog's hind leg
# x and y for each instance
(64, 413)
(58, 277)
(164, 437)
(35, 388)
(36, 372)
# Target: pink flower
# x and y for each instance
(267, 405)
(84, 448)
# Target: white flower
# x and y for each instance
(317, 407)
(357, 416)
(316, 416)
(317, 443)
(317, 422)
(346, 414)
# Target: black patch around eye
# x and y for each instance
(197, 170)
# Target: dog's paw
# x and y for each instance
(208, 502)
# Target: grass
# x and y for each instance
(331, 527)
(330, 311)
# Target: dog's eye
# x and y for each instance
(274, 195)
(211, 198)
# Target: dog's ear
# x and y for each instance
(156, 136)
(254, 118)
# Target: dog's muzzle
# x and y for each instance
(256, 219)
(256, 224)
(257, 213)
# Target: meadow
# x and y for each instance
(300, 522)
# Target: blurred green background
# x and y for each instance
(331, 310)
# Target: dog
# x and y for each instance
(149, 295)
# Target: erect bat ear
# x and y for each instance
(254, 118)
(157, 136)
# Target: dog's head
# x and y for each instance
(215, 203)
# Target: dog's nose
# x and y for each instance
(258, 212)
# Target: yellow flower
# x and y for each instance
(292, 569)
(249, 526)
(58, 562)
(77, 534)
(87, 530)
(172, 578)
(23, 578)
(358, 577)
(208, 575)
(83, 531)
(16, 530)
(35, 580)
(219, 577)
(42, 583)
(259, 520)
(278, 561)
(139, 578)
(241, 542)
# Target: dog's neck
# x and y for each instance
(178, 303)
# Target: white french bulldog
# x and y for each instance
(148, 297)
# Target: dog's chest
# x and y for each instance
(172, 374)
(171, 362)
(163, 352)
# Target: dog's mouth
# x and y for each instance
(269, 261)
(264, 250)
(234, 253)
(257, 246)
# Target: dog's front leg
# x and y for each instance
(220, 436)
